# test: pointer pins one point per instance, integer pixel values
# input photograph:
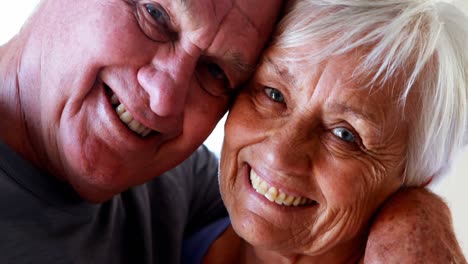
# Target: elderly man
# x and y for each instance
(100, 96)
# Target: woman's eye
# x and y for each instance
(344, 134)
(274, 94)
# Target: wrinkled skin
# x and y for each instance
(171, 63)
(322, 137)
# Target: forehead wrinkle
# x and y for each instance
(215, 8)
(247, 18)
(284, 74)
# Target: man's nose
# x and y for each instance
(167, 80)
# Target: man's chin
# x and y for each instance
(97, 190)
(95, 195)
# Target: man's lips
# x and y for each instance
(126, 117)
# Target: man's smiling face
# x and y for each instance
(130, 88)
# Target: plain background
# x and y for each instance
(452, 187)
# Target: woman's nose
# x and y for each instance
(290, 151)
(168, 81)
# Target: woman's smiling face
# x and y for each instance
(326, 151)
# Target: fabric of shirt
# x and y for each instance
(42, 220)
(196, 246)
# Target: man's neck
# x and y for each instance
(13, 128)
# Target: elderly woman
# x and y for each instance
(352, 101)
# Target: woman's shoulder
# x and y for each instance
(199, 245)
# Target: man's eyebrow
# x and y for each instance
(284, 74)
(185, 3)
(239, 64)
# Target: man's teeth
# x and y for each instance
(127, 118)
(274, 195)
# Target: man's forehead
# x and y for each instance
(255, 12)
(260, 14)
(240, 28)
(219, 8)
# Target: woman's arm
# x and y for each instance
(414, 226)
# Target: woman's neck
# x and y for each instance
(230, 248)
(337, 255)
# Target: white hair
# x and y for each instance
(420, 43)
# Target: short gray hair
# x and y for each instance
(421, 42)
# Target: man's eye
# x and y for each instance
(158, 14)
(274, 94)
(344, 134)
(216, 71)
(213, 79)
(155, 22)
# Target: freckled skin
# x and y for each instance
(59, 116)
(414, 226)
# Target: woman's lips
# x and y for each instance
(276, 195)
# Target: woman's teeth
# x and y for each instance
(128, 119)
(273, 194)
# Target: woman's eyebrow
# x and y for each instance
(284, 74)
(353, 111)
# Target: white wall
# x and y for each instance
(13, 13)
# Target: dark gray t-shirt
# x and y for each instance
(42, 220)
